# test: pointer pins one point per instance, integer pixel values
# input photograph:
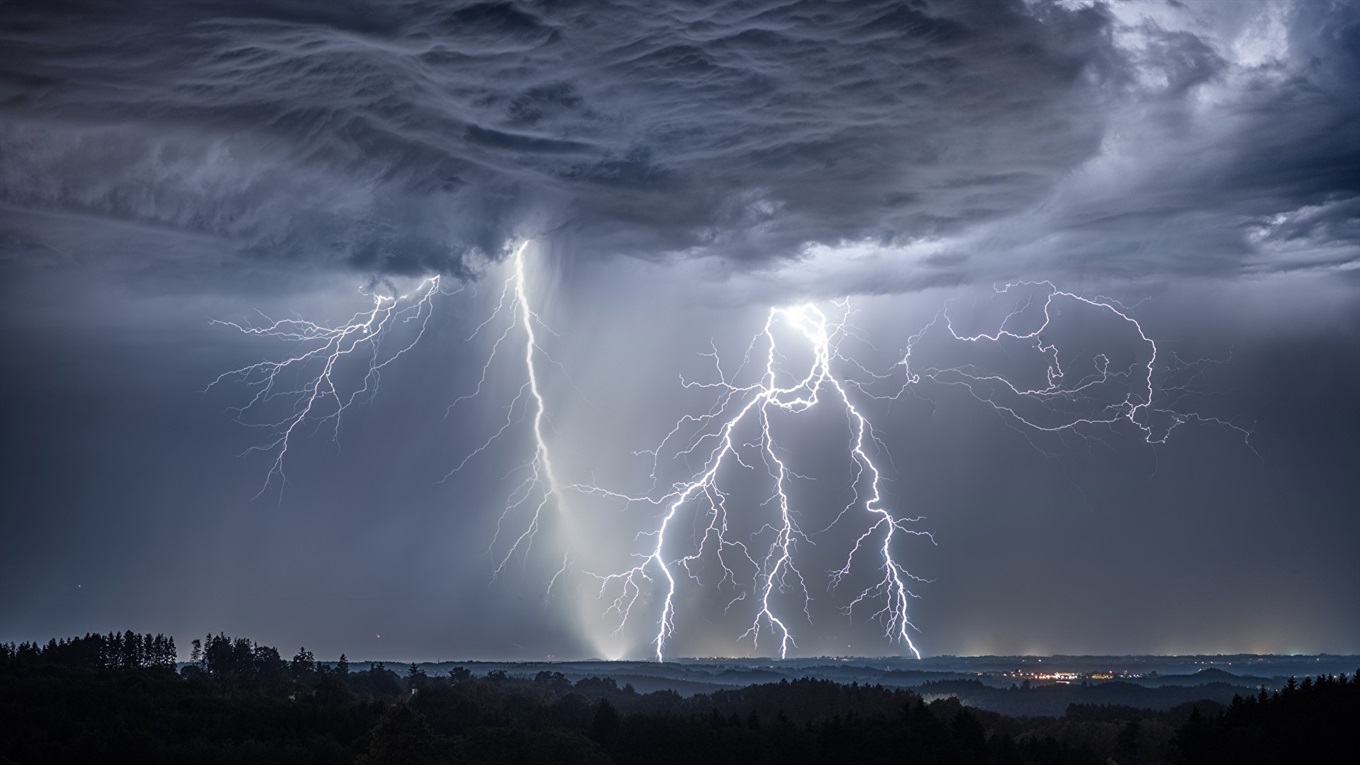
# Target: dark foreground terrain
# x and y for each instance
(123, 697)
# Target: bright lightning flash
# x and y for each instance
(776, 564)
(337, 366)
(1138, 394)
(340, 365)
(334, 367)
(539, 489)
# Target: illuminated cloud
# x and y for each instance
(404, 137)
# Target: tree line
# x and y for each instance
(1308, 721)
(128, 650)
(116, 697)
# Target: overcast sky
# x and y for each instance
(681, 168)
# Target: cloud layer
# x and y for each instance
(402, 136)
(406, 137)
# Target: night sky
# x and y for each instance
(680, 167)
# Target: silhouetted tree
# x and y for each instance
(403, 737)
(381, 682)
(1128, 739)
(606, 721)
(416, 679)
(303, 664)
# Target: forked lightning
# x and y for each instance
(318, 383)
(745, 427)
(775, 565)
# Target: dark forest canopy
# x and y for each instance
(119, 696)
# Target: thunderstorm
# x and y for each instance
(796, 363)
(552, 381)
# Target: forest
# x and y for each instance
(125, 697)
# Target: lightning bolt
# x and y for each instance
(333, 368)
(1081, 392)
(1064, 402)
(339, 365)
(540, 488)
(774, 565)
(1104, 395)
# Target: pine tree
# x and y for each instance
(304, 663)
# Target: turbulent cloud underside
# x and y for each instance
(411, 137)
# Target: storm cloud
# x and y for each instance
(402, 136)
(405, 137)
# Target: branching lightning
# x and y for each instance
(1103, 396)
(794, 363)
(775, 564)
(317, 384)
(340, 365)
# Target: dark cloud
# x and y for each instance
(1217, 168)
(401, 136)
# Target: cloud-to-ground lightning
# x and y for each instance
(340, 365)
(774, 565)
(334, 367)
(795, 363)
(1101, 396)
(540, 488)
